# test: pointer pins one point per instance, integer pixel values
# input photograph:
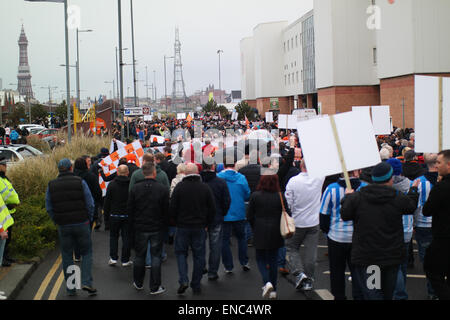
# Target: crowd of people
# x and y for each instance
(173, 201)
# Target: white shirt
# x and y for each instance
(303, 195)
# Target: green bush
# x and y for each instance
(34, 231)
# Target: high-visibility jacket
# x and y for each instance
(8, 194)
(6, 219)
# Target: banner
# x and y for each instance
(111, 163)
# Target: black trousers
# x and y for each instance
(437, 267)
(339, 255)
(6, 251)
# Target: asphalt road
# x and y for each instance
(116, 283)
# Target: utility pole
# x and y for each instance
(134, 63)
(121, 67)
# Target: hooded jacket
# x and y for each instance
(92, 182)
(438, 207)
(161, 177)
(148, 205)
(412, 170)
(402, 185)
(221, 195)
(377, 212)
(239, 192)
(117, 197)
(192, 204)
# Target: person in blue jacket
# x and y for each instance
(235, 219)
(14, 136)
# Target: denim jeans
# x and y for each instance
(248, 231)
(238, 228)
(269, 258)
(400, 287)
(148, 256)
(388, 280)
(196, 240)
(282, 257)
(80, 235)
(215, 235)
(142, 240)
(2, 249)
(339, 256)
(424, 238)
(309, 237)
(119, 227)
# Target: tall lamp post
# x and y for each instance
(78, 66)
(165, 81)
(114, 97)
(220, 80)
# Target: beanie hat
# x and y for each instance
(396, 166)
(104, 151)
(382, 173)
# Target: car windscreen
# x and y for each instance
(25, 153)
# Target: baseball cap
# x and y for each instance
(64, 164)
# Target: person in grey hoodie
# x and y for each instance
(402, 185)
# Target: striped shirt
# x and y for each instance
(340, 231)
(424, 187)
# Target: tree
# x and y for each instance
(61, 111)
(38, 112)
(223, 111)
(17, 114)
(243, 110)
(210, 107)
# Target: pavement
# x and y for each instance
(14, 278)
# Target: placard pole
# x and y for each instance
(341, 154)
(441, 111)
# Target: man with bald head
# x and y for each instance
(192, 207)
(115, 207)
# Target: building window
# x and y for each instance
(285, 80)
(297, 76)
(375, 58)
(296, 41)
(289, 78)
(292, 43)
(285, 47)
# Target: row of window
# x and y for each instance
(289, 78)
(293, 64)
(289, 44)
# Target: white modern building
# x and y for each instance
(347, 53)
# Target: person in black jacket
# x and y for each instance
(193, 209)
(223, 201)
(148, 205)
(166, 164)
(264, 214)
(411, 168)
(378, 243)
(115, 207)
(437, 257)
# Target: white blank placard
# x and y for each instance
(269, 117)
(181, 116)
(427, 114)
(287, 121)
(357, 139)
(381, 119)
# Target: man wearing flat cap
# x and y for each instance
(70, 205)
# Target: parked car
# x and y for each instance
(18, 152)
(31, 126)
(44, 133)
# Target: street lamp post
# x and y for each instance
(220, 80)
(165, 81)
(114, 98)
(78, 66)
(154, 85)
(121, 66)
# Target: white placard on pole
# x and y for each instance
(269, 117)
(181, 116)
(287, 121)
(148, 118)
(357, 138)
(427, 114)
(381, 118)
(160, 139)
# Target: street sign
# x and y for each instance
(146, 111)
(134, 112)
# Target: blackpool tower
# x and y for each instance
(24, 75)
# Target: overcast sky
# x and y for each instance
(205, 26)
